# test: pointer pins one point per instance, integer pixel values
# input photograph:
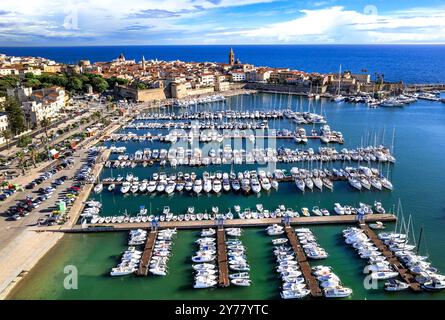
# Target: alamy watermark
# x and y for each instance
(71, 280)
(71, 20)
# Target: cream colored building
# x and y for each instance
(45, 103)
(3, 125)
(178, 90)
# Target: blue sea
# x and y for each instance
(407, 63)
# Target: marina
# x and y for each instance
(324, 212)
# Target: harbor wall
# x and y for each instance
(145, 95)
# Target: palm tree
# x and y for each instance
(21, 159)
(96, 115)
(7, 135)
(33, 156)
(44, 123)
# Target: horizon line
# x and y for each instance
(242, 44)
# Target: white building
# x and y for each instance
(34, 71)
(3, 125)
(207, 80)
(238, 76)
(258, 75)
(8, 71)
(44, 103)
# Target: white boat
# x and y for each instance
(355, 183)
(207, 187)
(316, 211)
(217, 186)
(143, 186)
(300, 184)
(197, 187)
(265, 184)
(386, 183)
(239, 275)
(256, 186)
(309, 183)
(339, 209)
(396, 285)
(170, 187)
(378, 225)
(434, 285)
(337, 292)
(241, 282)
(111, 187)
(383, 275)
(151, 187)
(98, 188)
(122, 271)
(204, 284)
(125, 187)
(294, 294)
(318, 183)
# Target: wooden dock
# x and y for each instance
(223, 267)
(404, 273)
(146, 255)
(305, 268)
(240, 223)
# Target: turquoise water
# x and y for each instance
(417, 176)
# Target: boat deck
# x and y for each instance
(404, 273)
(146, 255)
(305, 268)
(223, 278)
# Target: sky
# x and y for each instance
(164, 22)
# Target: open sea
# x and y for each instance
(418, 177)
(407, 63)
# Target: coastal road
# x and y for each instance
(21, 243)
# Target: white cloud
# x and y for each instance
(138, 21)
(335, 24)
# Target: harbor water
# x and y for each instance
(416, 133)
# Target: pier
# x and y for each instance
(146, 255)
(240, 223)
(305, 268)
(404, 273)
(223, 268)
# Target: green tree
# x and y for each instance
(22, 162)
(96, 115)
(7, 82)
(34, 83)
(16, 116)
(7, 135)
(33, 156)
(29, 75)
(44, 123)
(99, 84)
(142, 86)
(74, 84)
(24, 141)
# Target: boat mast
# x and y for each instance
(339, 80)
(420, 238)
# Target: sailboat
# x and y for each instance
(339, 98)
